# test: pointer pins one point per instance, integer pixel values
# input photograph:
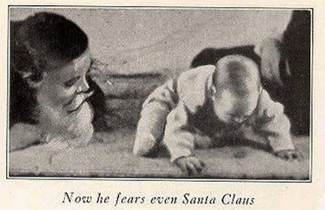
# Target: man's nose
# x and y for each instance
(83, 86)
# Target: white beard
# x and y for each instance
(74, 129)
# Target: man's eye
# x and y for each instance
(70, 82)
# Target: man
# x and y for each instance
(51, 94)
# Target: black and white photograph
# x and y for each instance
(160, 93)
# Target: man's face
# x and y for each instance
(66, 89)
(63, 113)
(234, 110)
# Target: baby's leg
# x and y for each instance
(151, 126)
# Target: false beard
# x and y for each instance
(66, 129)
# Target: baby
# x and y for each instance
(210, 105)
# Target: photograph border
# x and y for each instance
(81, 178)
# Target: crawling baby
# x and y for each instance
(210, 104)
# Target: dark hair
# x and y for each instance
(37, 44)
(44, 41)
(238, 74)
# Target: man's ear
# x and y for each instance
(33, 84)
(31, 79)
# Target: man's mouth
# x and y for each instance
(236, 124)
(76, 109)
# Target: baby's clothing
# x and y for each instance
(181, 109)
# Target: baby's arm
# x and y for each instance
(23, 135)
(152, 122)
(179, 140)
(275, 126)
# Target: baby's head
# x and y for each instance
(236, 89)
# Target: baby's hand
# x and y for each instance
(289, 155)
(191, 165)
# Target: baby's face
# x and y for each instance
(234, 110)
(66, 88)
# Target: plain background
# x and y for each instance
(135, 40)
